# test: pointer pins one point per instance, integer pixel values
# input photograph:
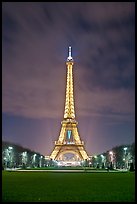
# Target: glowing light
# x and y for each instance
(71, 163)
(24, 153)
(69, 134)
(111, 152)
(125, 148)
(69, 57)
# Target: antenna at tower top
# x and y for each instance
(69, 51)
(69, 57)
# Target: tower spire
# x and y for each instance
(69, 57)
(69, 51)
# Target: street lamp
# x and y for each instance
(95, 160)
(10, 155)
(89, 161)
(103, 158)
(24, 158)
(40, 163)
(125, 156)
(111, 156)
(34, 159)
(125, 148)
(111, 159)
(6, 157)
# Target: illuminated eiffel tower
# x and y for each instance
(69, 146)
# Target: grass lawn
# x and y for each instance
(68, 187)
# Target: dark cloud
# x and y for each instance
(33, 58)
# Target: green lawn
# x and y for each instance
(68, 187)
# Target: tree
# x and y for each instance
(131, 167)
(111, 166)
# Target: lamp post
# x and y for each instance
(24, 159)
(95, 161)
(125, 156)
(103, 161)
(7, 158)
(111, 159)
(10, 155)
(111, 156)
(40, 161)
(89, 161)
(34, 160)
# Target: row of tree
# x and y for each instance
(119, 157)
(14, 156)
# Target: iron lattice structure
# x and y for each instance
(69, 140)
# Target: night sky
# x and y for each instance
(35, 40)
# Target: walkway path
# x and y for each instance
(69, 170)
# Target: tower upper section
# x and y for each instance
(69, 112)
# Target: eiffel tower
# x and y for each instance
(69, 146)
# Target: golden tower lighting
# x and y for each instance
(69, 141)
